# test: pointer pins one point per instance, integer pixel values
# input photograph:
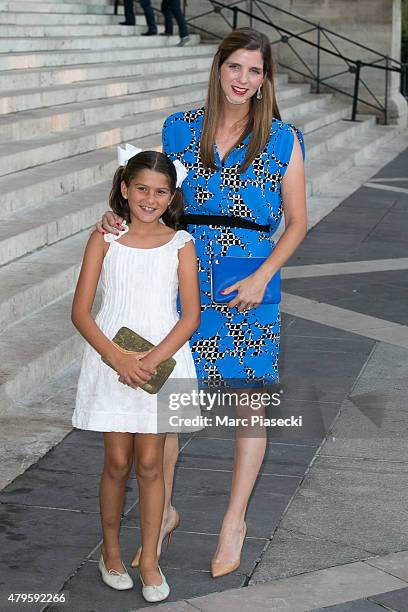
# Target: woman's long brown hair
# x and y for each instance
(261, 112)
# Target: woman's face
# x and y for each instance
(241, 74)
(148, 195)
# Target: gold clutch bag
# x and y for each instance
(129, 341)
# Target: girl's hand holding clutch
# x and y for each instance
(132, 371)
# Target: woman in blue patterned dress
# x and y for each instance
(242, 162)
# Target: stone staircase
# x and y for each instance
(73, 85)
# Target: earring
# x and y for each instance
(259, 94)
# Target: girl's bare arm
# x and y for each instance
(128, 367)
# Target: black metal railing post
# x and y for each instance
(318, 59)
(116, 7)
(387, 62)
(235, 18)
(356, 86)
(404, 80)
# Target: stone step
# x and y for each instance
(59, 119)
(22, 154)
(36, 423)
(34, 186)
(333, 163)
(67, 215)
(338, 134)
(39, 347)
(318, 119)
(104, 2)
(28, 99)
(156, 47)
(89, 30)
(65, 117)
(31, 187)
(187, 58)
(40, 278)
(12, 45)
(47, 274)
(51, 7)
(32, 18)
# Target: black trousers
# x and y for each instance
(148, 11)
(170, 9)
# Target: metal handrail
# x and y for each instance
(354, 66)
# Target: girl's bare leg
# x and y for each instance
(250, 446)
(117, 464)
(148, 457)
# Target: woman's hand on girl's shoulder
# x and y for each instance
(110, 223)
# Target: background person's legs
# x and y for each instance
(173, 7)
(129, 12)
(168, 17)
(149, 14)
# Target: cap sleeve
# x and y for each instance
(287, 145)
(177, 134)
(181, 238)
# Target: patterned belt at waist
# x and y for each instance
(224, 220)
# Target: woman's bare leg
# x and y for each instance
(171, 451)
(250, 446)
(149, 452)
(117, 464)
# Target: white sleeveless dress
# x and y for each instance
(139, 291)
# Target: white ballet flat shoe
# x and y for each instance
(155, 592)
(113, 578)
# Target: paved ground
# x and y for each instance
(329, 511)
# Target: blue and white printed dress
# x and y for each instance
(231, 344)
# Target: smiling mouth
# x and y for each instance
(239, 91)
(148, 209)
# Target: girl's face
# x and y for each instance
(241, 74)
(148, 195)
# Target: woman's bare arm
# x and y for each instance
(293, 190)
(252, 289)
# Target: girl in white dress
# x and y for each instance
(141, 273)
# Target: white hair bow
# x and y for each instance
(129, 151)
(125, 154)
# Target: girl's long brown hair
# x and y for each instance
(261, 112)
(150, 160)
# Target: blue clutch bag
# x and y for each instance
(226, 271)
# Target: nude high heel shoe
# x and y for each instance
(218, 568)
(168, 535)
